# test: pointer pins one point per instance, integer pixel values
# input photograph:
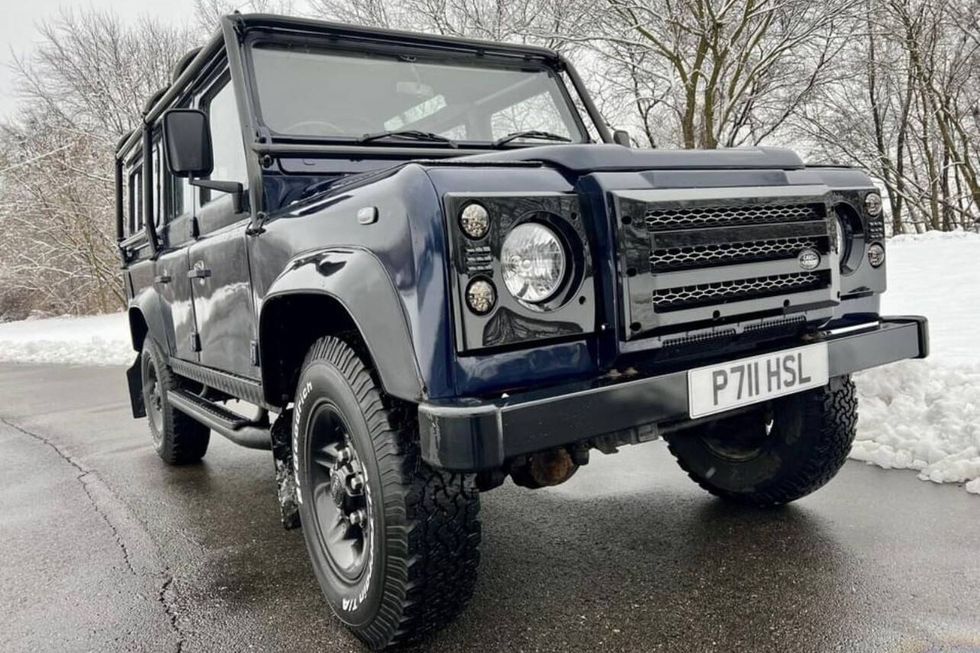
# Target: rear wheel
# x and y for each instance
(177, 438)
(394, 542)
(775, 454)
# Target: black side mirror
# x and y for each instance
(622, 137)
(187, 142)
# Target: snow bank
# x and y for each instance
(934, 236)
(937, 274)
(92, 340)
(922, 415)
(925, 415)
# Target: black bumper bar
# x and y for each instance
(471, 435)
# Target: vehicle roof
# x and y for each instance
(381, 34)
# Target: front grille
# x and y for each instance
(704, 294)
(696, 259)
(691, 218)
(679, 258)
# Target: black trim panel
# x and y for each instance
(237, 386)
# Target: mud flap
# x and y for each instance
(134, 377)
(282, 454)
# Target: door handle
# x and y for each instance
(162, 278)
(198, 273)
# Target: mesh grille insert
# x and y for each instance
(665, 219)
(676, 258)
(720, 292)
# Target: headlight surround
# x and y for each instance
(850, 237)
(534, 263)
(843, 242)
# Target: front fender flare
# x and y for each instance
(359, 282)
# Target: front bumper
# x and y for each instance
(472, 435)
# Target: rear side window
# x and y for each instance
(135, 200)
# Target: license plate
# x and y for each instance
(717, 388)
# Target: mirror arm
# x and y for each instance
(236, 189)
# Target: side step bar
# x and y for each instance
(252, 434)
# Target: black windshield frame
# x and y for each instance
(435, 54)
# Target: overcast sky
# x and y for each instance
(18, 31)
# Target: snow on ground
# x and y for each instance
(91, 340)
(925, 415)
(921, 415)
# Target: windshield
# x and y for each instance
(303, 92)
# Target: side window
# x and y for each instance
(226, 138)
(135, 200)
(157, 185)
(170, 190)
(174, 195)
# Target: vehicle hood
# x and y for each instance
(581, 159)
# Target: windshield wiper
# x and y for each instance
(410, 134)
(532, 133)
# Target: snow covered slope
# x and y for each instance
(925, 415)
(91, 340)
(922, 415)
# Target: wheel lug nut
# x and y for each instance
(343, 455)
(357, 518)
(355, 482)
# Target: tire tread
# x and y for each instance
(184, 439)
(434, 537)
(831, 410)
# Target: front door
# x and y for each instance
(218, 261)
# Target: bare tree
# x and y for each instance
(83, 88)
(721, 73)
(906, 110)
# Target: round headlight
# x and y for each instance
(481, 296)
(533, 261)
(474, 220)
(872, 204)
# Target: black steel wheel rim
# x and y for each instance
(340, 495)
(741, 438)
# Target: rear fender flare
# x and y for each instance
(146, 311)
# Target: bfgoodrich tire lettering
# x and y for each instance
(773, 455)
(422, 541)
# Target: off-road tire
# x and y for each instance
(425, 522)
(177, 438)
(811, 435)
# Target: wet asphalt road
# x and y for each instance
(102, 547)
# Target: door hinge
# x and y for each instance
(194, 227)
(255, 353)
(195, 342)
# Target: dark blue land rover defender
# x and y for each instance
(429, 266)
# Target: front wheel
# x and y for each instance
(774, 454)
(394, 543)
